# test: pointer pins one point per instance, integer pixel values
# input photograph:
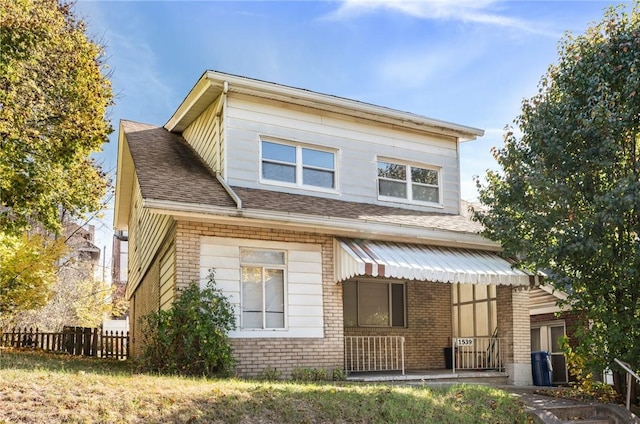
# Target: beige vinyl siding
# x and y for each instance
(542, 302)
(167, 276)
(303, 291)
(147, 232)
(358, 143)
(204, 135)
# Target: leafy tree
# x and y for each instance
(190, 338)
(27, 270)
(568, 197)
(53, 99)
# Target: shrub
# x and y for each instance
(269, 374)
(190, 338)
(309, 374)
(338, 374)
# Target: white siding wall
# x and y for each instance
(303, 283)
(359, 143)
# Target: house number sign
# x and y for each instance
(464, 342)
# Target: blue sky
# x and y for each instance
(468, 62)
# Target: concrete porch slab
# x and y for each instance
(420, 376)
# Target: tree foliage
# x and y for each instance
(27, 270)
(190, 338)
(568, 197)
(53, 98)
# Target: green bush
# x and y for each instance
(190, 338)
(309, 374)
(269, 374)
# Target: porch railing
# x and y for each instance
(625, 366)
(374, 353)
(477, 353)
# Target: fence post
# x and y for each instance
(94, 343)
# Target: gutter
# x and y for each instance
(330, 225)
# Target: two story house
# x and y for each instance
(335, 228)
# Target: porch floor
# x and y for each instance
(440, 375)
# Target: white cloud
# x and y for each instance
(476, 11)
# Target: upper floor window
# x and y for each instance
(408, 182)
(298, 165)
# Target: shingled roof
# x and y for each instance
(168, 169)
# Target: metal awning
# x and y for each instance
(356, 258)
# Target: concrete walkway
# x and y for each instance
(553, 410)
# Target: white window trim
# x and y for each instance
(409, 199)
(299, 166)
(389, 284)
(282, 267)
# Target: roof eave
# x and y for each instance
(323, 224)
(125, 174)
(212, 84)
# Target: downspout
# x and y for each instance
(230, 191)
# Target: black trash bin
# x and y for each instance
(448, 358)
(541, 368)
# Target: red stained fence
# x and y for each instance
(72, 340)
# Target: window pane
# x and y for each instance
(466, 320)
(349, 303)
(482, 319)
(425, 193)
(456, 314)
(556, 335)
(559, 373)
(392, 171)
(424, 176)
(251, 297)
(279, 152)
(373, 304)
(317, 158)
(397, 305)
(481, 292)
(262, 257)
(317, 178)
(274, 298)
(535, 340)
(466, 292)
(278, 172)
(392, 189)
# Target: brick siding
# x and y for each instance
(428, 327)
(284, 354)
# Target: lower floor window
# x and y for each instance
(263, 283)
(373, 304)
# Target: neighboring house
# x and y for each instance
(549, 323)
(334, 227)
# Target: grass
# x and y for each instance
(39, 387)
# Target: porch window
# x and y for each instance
(373, 304)
(298, 165)
(262, 289)
(474, 310)
(408, 182)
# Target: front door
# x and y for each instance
(547, 337)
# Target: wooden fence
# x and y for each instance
(72, 340)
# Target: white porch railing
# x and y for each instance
(629, 374)
(477, 353)
(374, 353)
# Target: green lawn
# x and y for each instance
(38, 387)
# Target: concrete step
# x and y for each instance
(596, 419)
